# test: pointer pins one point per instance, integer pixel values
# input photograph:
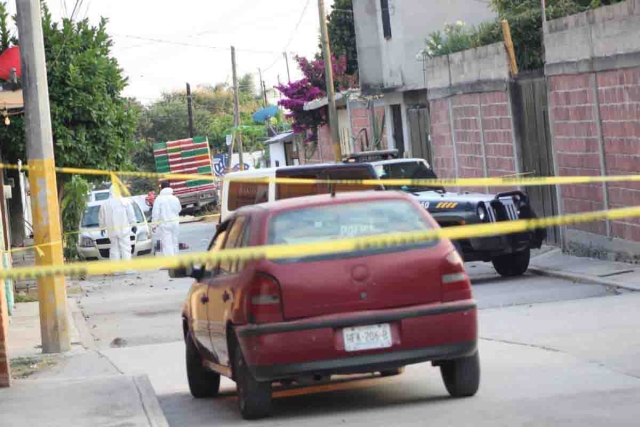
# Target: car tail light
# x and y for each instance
(455, 281)
(265, 300)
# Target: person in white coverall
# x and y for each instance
(166, 212)
(118, 217)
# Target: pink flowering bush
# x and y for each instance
(312, 87)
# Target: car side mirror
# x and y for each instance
(198, 273)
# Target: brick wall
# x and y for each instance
(443, 154)
(576, 144)
(619, 99)
(362, 126)
(5, 375)
(483, 136)
(593, 71)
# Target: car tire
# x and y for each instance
(202, 381)
(461, 376)
(254, 397)
(392, 372)
(511, 265)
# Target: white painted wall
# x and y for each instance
(276, 152)
(392, 63)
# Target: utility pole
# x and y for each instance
(52, 292)
(190, 110)
(331, 97)
(236, 108)
(264, 95)
(286, 59)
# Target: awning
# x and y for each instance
(11, 100)
(283, 137)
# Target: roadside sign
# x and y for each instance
(229, 140)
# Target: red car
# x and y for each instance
(310, 317)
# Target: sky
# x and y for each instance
(163, 44)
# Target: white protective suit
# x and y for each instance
(117, 216)
(166, 212)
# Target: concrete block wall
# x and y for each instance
(593, 70)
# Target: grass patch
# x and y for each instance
(24, 367)
(26, 298)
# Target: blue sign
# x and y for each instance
(220, 164)
(265, 114)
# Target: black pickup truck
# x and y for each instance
(509, 253)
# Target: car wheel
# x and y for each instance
(514, 264)
(461, 376)
(202, 381)
(254, 397)
(392, 372)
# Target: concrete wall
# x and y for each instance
(276, 154)
(391, 63)
(593, 72)
(472, 129)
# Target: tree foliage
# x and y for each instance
(342, 34)
(92, 126)
(525, 20)
(311, 87)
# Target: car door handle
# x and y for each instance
(204, 299)
(225, 296)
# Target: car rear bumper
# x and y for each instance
(316, 346)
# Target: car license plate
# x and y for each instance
(367, 337)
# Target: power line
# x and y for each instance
(178, 43)
(295, 30)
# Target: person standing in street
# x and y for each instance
(118, 218)
(166, 212)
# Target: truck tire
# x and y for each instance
(461, 376)
(512, 265)
(202, 381)
(254, 397)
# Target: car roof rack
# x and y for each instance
(372, 156)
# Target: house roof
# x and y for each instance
(341, 100)
(283, 137)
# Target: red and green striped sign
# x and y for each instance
(190, 156)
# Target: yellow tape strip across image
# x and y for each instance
(321, 248)
(460, 182)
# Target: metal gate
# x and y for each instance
(419, 130)
(530, 112)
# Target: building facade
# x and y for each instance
(389, 35)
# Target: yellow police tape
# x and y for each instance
(460, 182)
(298, 251)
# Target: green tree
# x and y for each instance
(92, 126)
(342, 33)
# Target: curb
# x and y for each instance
(192, 220)
(150, 402)
(580, 278)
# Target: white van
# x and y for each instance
(236, 194)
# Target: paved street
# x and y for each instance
(553, 352)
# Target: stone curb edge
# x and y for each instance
(580, 278)
(150, 402)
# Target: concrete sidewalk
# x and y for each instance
(110, 401)
(552, 262)
(77, 388)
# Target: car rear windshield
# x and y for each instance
(406, 170)
(345, 220)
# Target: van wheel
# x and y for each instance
(202, 381)
(254, 397)
(461, 376)
(511, 265)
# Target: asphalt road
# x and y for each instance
(553, 352)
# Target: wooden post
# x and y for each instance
(506, 31)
